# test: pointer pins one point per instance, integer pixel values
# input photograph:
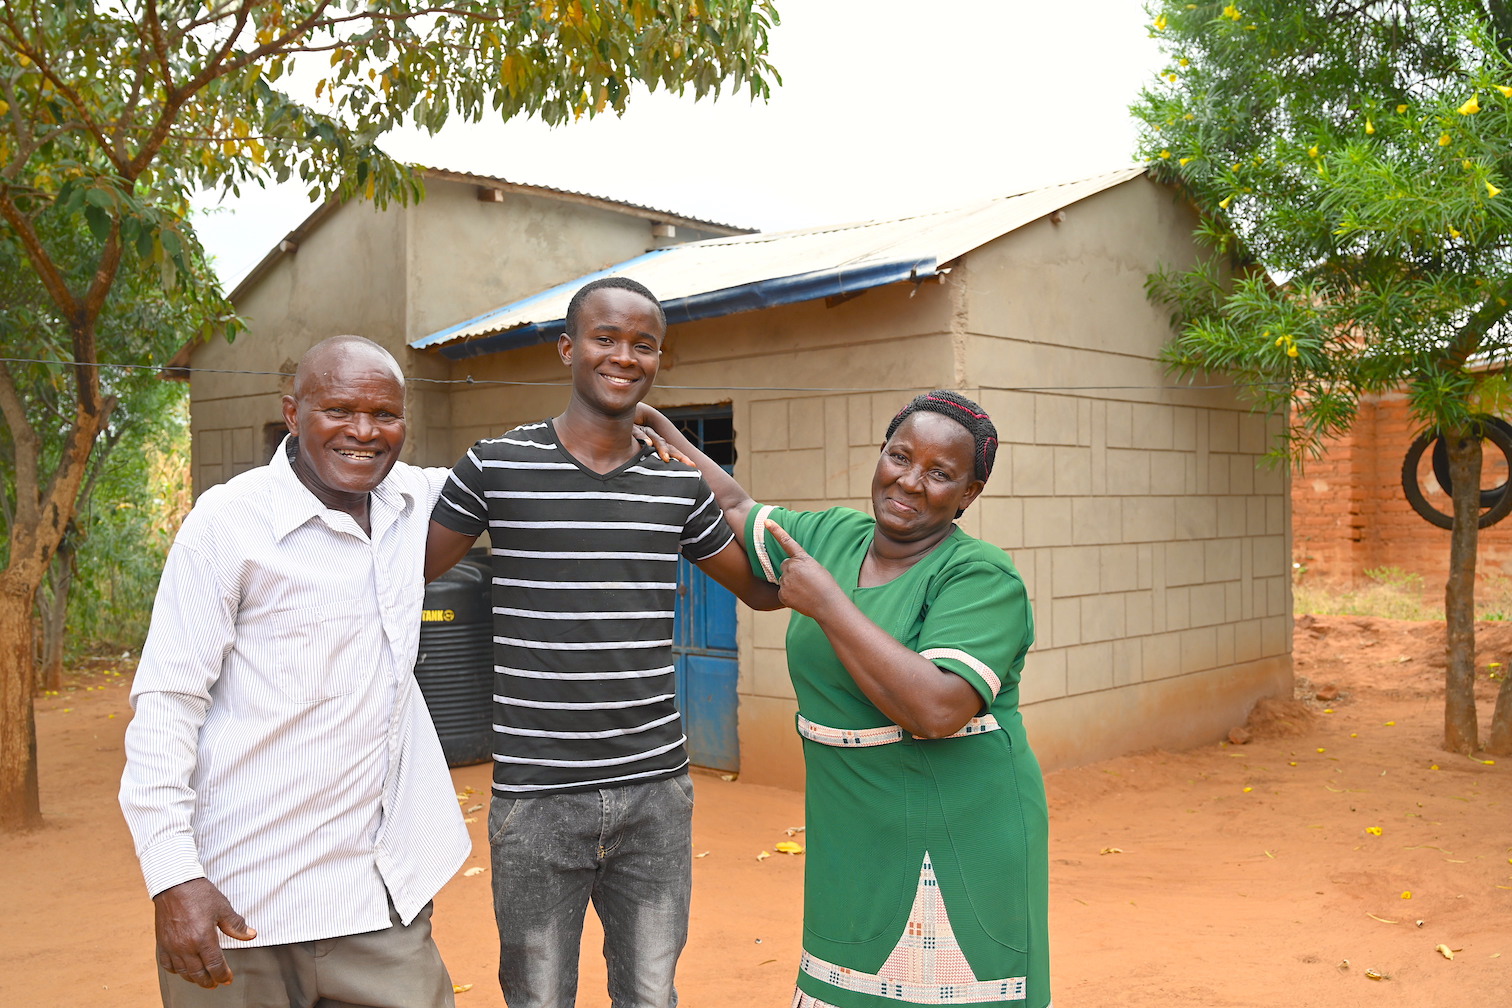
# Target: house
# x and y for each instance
(472, 243)
(1154, 542)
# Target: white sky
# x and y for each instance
(888, 107)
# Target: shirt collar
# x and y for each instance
(294, 504)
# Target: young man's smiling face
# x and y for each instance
(615, 352)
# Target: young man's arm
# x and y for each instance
(731, 568)
(443, 548)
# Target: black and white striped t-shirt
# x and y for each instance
(584, 581)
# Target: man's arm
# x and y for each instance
(731, 568)
(193, 624)
(443, 548)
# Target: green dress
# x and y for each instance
(927, 868)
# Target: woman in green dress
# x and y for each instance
(926, 880)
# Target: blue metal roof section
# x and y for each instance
(748, 272)
(551, 294)
(710, 304)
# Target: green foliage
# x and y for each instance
(126, 524)
(1349, 159)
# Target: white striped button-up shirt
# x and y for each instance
(281, 747)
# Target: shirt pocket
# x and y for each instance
(328, 650)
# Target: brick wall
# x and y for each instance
(1349, 514)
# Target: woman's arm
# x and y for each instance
(728, 494)
(913, 692)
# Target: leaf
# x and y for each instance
(475, 870)
(704, 854)
(1111, 850)
(1444, 950)
(461, 988)
(763, 855)
(788, 847)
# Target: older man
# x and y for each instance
(284, 783)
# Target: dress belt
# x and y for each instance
(857, 738)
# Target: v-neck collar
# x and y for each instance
(932, 558)
(587, 471)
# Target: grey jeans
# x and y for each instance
(628, 849)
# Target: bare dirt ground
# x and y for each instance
(1321, 865)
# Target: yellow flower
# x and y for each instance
(1407, 895)
(1165, 154)
(1232, 13)
(1454, 232)
(1373, 830)
(1223, 203)
(1491, 190)
(1312, 151)
(1467, 164)
(1183, 161)
(1171, 77)
(1470, 107)
(1401, 109)
(1186, 62)
(1506, 91)
(1369, 126)
(1161, 22)
(1444, 140)
(1189, 117)
(1291, 350)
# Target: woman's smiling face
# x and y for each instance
(926, 474)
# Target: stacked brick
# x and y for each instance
(1349, 514)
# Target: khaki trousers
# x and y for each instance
(398, 967)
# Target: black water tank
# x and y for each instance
(454, 666)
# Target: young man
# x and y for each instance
(591, 792)
(284, 783)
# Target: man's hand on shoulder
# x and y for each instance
(187, 916)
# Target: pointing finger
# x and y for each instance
(789, 546)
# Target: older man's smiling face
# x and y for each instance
(349, 415)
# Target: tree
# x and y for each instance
(1349, 158)
(113, 113)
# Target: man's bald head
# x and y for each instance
(322, 357)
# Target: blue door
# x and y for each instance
(703, 645)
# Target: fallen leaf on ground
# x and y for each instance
(470, 819)
(763, 855)
(474, 871)
(1111, 850)
(727, 776)
(793, 830)
(461, 988)
(704, 854)
(1374, 975)
(473, 808)
(788, 847)
(1383, 920)
(1444, 950)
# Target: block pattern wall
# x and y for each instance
(1349, 514)
(1153, 543)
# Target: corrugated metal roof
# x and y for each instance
(721, 276)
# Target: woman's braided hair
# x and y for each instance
(964, 412)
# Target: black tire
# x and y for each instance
(1488, 498)
(1410, 486)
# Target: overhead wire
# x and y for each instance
(470, 380)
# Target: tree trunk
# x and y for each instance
(20, 803)
(1460, 727)
(1500, 743)
(54, 613)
